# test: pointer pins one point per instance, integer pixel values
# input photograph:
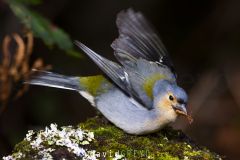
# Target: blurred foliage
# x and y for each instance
(14, 67)
(31, 2)
(41, 27)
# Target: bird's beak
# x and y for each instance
(181, 110)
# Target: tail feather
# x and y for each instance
(50, 79)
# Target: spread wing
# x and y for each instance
(137, 39)
(137, 82)
(143, 57)
(114, 71)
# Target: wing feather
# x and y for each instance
(138, 38)
(122, 77)
(143, 57)
(112, 69)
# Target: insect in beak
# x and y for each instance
(181, 110)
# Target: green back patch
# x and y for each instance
(149, 83)
(94, 84)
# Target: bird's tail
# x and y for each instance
(49, 79)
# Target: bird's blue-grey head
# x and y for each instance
(170, 95)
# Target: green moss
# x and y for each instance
(167, 144)
(23, 146)
(165, 156)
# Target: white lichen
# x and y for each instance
(119, 157)
(29, 135)
(46, 154)
(15, 156)
(91, 155)
(71, 138)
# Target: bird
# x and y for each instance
(138, 93)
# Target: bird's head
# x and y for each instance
(168, 97)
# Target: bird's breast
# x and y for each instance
(133, 118)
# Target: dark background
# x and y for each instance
(202, 37)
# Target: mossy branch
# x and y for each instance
(110, 142)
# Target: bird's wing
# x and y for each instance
(118, 74)
(137, 39)
(143, 57)
(113, 70)
(150, 73)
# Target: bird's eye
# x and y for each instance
(171, 98)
